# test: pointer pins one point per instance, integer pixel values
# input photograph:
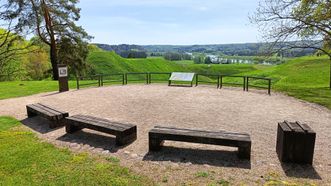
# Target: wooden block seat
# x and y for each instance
(55, 116)
(295, 142)
(241, 140)
(125, 133)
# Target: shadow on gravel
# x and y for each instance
(197, 156)
(38, 124)
(95, 140)
(300, 171)
(51, 94)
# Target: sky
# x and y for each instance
(177, 22)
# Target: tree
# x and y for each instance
(51, 20)
(173, 56)
(305, 23)
(37, 63)
(198, 59)
(12, 47)
(208, 60)
(73, 52)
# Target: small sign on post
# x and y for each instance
(63, 77)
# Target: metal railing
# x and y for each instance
(210, 76)
(137, 74)
(147, 77)
(112, 78)
(268, 80)
(90, 80)
(150, 74)
(243, 84)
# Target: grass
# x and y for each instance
(25, 160)
(184, 62)
(24, 88)
(105, 62)
(12, 89)
(201, 174)
(306, 78)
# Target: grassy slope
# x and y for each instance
(24, 160)
(108, 62)
(305, 78)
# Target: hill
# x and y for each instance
(109, 62)
(106, 62)
(305, 78)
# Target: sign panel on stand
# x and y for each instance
(181, 77)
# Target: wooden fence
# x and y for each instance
(250, 78)
(148, 77)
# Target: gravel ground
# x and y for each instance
(207, 108)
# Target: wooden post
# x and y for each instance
(77, 79)
(101, 77)
(197, 80)
(218, 81)
(247, 83)
(99, 80)
(147, 78)
(244, 83)
(269, 87)
(221, 81)
(126, 78)
(123, 80)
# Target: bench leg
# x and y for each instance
(53, 124)
(71, 128)
(56, 124)
(126, 139)
(244, 152)
(30, 114)
(155, 144)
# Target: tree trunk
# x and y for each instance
(53, 56)
(52, 44)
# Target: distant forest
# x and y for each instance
(246, 49)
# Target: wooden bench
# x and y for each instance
(241, 140)
(55, 116)
(125, 133)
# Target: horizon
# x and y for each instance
(156, 22)
(181, 44)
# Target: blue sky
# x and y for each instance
(169, 21)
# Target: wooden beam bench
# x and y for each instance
(241, 140)
(55, 116)
(125, 133)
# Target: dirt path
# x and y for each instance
(201, 107)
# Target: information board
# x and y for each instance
(182, 76)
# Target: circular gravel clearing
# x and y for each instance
(206, 108)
